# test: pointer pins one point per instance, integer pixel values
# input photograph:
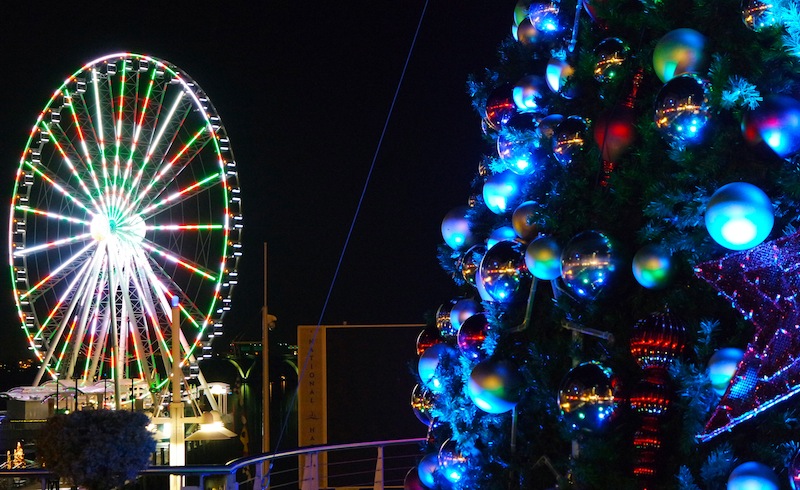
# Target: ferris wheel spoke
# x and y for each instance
(23, 252)
(139, 125)
(154, 148)
(183, 262)
(59, 185)
(58, 273)
(100, 131)
(183, 227)
(88, 308)
(168, 286)
(49, 214)
(180, 161)
(181, 195)
(87, 157)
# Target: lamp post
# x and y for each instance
(177, 445)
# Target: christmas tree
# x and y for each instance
(626, 264)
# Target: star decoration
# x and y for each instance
(763, 283)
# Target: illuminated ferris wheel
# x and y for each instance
(126, 195)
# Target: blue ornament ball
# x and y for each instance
(758, 15)
(547, 126)
(774, 123)
(471, 336)
(679, 51)
(500, 234)
(589, 264)
(543, 258)
(753, 476)
(456, 229)
(739, 216)
(557, 74)
(722, 367)
(528, 94)
(652, 266)
(682, 111)
(427, 468)
(422, 404)
(470, 262)
(495, 386)
(588, 397)
(480, 286)
(452, 464)
(462, 310)
(543, 14)
(503, 272)
(503, 191)
(412, 481)
(428, 362)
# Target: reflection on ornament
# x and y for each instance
(503, 272)
(587, 397)
(429, 336)
(682, 109)
(557, 74)
(481, 288)
(758, 15)
(544, 16)
(589, 262)
(543, 258)
(470, 262)
(528, 93)
(500, 107)
(652, 396)
(525, 33)
(722, 366)
(776, 123)
(471, 336)
(547, 126)
(679, 51)
(502, 192)
(427, 468)
(657, 340)
(611, 54)
(443, 322)
(456, 228)
(462, 310)
(652, 266)
(739, 216)
(422, 404)
(521, 157)
(753, 476)
(495, 386)
(762, 284)
(524, 220)
(499, 235)
(428, 362)
(569, 139)
(412, 481)
(452, 463)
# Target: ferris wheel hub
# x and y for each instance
(102, 228)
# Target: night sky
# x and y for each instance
(303, 89)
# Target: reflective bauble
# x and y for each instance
(547, 126)
(753, 476)
(657, 340)
(456, 229)
(543, 258)
(682, 112)
(722, 366)
(412, 481)
(569, 139)
(774, 123)
(758, 15)
(557, 75)
(525, 33)
(544, 16)
(521, 11)
(429, 336)
(481, 288)
(452, 464)
(652, 396)
(422, 404)
(499, 235)
(525, 220)
(495, 386)
(652, 266)
(503, 191)
(471, 336)
(587, 397)
(611, 54)
(679, 51)
(427, 468)
(443, 323)
(470, 261)
(462, 310)
(503, 272)
(615, 131)
(522, 157)
(500, 107)
(739, 216)
(528, 94)
(589, 263)
(428, 362)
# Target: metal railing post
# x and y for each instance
(258, 481)
(230, 482)
(378, 482)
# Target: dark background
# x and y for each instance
(303, 89)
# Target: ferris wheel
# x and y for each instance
(126, 196)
